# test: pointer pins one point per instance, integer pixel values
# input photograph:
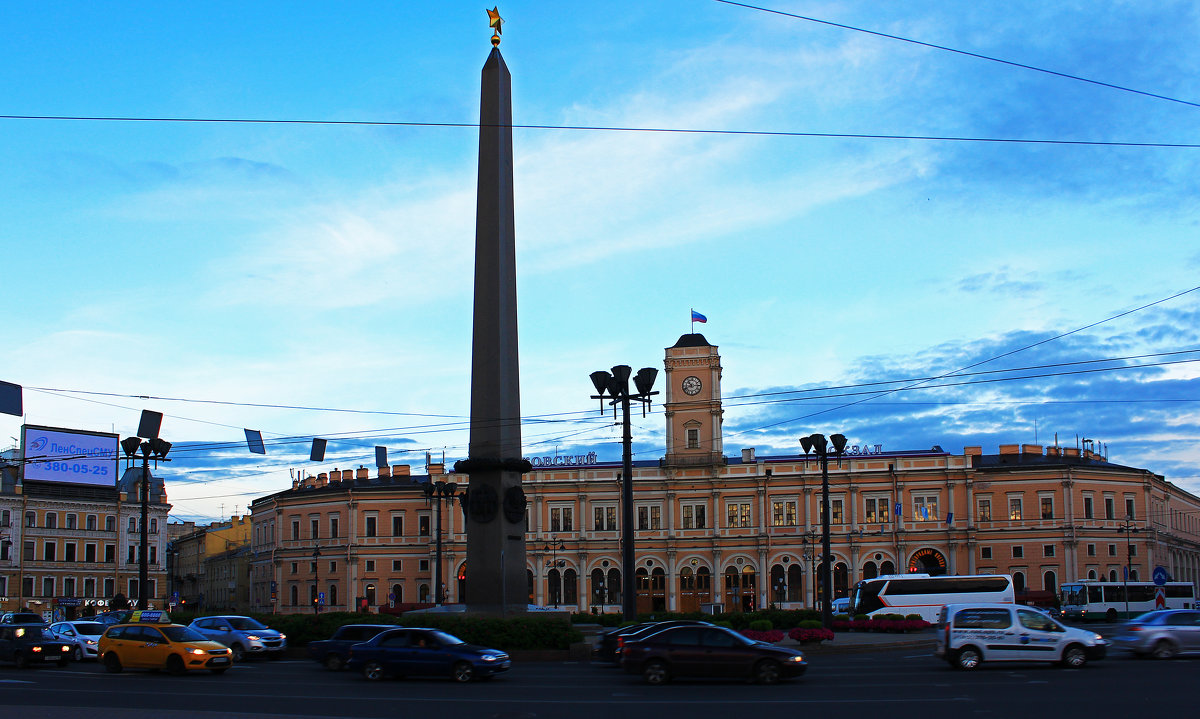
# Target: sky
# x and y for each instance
(306, 279)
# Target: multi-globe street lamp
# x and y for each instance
(818, 444)
(554, 563)
(614, 387)
(316, 598)
(439, 492)
(1128, 527)
(157, 449)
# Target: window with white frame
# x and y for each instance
(604, 518)
(1046, 503)
(1110, 507)
(694, 515)
(783, 513)
(837, 513)
(738, 514)
(561, 519)
(1129, 507)
(925, 508)
(1089, 507)
(985, 509)
(1015, 508)
(649, 517)
(693, 439)
(878, 509)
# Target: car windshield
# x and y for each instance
(244, 623)
(91, 629)
(183, 634)
(1147, 618)
(445, 638)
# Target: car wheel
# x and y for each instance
(463, 672)
(77, 655)
(968, 658)
(238, 652)
(334, 663)
(767, 672)
(1164, 649)
(21, 661)
(112, 663)
(373, 671)
(175, 665)
(655, 673)
(1074, 656)
(1110, 615)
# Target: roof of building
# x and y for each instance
(692, 340)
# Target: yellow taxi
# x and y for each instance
(150, 641)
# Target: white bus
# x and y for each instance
(925, 595)
(1106, 601)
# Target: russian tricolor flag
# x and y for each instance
(697, 317)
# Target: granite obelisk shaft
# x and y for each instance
(496, 577)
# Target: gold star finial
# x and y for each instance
(495, 22)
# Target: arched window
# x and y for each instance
(331, 599)
(1091, 574)
(553, 587)
(778, 584)
(614, 586)
(887, 568)
(295, 592)
(571, 588)
(597, 593)
(869, 571)
(1018, 581)
(132, 524)
(529, 585)
(841, 580)
(1133, 575)
(795, 582)
(398, 593)
(369, 593)
(90, 523)
(423, 594)
(1112, 575)
(1049, 582)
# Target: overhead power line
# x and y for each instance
(614, 128)
(976, 55)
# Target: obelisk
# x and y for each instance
(496, 578)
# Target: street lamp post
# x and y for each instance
(553, 563)
(809, 556)
(1128, 528)
(158, 449)
(316, 580)
(439, 492)
(615, 388)
(817, 443)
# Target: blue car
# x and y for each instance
(425, 652)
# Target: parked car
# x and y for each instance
(245, 636)
(83, 636)
(21, 618)
(425, 652)
(32, 643)
(156, 643)
(1162, 634)
(708, 651)
(609, 647)
(334, 651)
(971, 634)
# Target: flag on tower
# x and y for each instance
(697, 317)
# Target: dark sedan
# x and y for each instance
(334, 651)
(609, 647)
(425, 652)
(708, 652)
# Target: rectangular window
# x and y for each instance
(1018, 551)
(370, 565)
(295, 529)
(693, 439)
(48, 587)
(131, 557)
(1112, 550)
(396, 565)
(30, 519)
(560, 519)
(1089, 511)
(423, 525)
(1110, 508)
(72, 521)
(69, 552)
(604, 519)
(1047, 550)
(1014, 508)
(397, 525)
(110, 554)
(50, 551)
(27, 550)
(295, 567)
(694, 516)
(1129, 507)
(649, 517)
(51, 520)
(738, 514)
(1047, 504)
(985, 510)
(333, 527)
(109, 587)
(925, 509)
(333, 566)
(314, 526)
(985, 552)
(153, 554)
(783, 513)
(91, 525)
(1133, 550)
(110, 525)
(371, 529)
(1091, 550)
(878, 509)
(423, 565)
(836, 513)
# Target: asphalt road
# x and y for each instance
(895, 683)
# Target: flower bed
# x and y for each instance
(810, 635)
(880, 625)
(770, 636)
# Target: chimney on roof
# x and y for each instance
(362, 473)
(401, 470)
(747, 455)
(385, 471)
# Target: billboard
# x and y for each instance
(69, 455)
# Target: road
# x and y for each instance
(899, 683)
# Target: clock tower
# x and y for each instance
(693, 402)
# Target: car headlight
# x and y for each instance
(489, 657)
(66, 647)
(282, 635)
(37, 649)
(91, 642)
(797, 659)
(198, 652)
(253, 637)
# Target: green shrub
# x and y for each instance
(761, 625)
(723, 623)
(861, 617)
(809, 624)
(913, 616)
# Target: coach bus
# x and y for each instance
(1108, 601)
(926, 595)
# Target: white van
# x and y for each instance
(970, 634)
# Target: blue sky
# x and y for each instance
(330, 265)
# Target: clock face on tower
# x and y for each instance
(692, 385)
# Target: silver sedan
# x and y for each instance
(84, 636)
(1162, 634)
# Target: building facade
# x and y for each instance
(735, 533)
(72, 548)
(203, 572)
